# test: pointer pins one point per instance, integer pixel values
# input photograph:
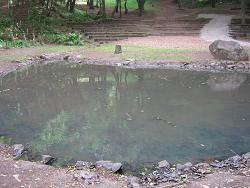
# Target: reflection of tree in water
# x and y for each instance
(226, 82)
(80, 111)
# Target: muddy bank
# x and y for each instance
(206, 66)
(232, 172)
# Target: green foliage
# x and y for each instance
(38, 20)
(201, 3)
(65, 39)
(21, 44)
(4, 22)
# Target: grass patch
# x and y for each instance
(148, 54)
(17, 54)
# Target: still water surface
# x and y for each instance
(83, 112)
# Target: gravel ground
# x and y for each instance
(167, 42)
(30, 174)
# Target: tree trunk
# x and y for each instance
(67, 4)
(97, 4)
(125, 7)
(193, 3)
(179, 4)
(91, 4)
(213, 2)
(102, 10)
(243, 11)
(141, 6)
(72, 6)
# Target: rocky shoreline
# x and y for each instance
(223, 66)
(163, 173)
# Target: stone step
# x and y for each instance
(238, 21)
(242, 34)
(115, 33)
(239, 26)
(114, 36)
(108, 39)
(88, 30)
(179, 28)
(179, 33)
(138, 25)
(240, 30)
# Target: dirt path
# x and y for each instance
(218, 28)
(30, 174)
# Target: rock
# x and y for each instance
(202, 165)
(133, 182)
(218, 164)
(89, 177)
(18, 151)
(43, 57)
(186, 167)
(47, 159)
(246, 156)
(234, 161)
(163, 164)
(81, 164)
(108, 165)
(66, 57)
(118, 49)
(203, 168)
(228, 50)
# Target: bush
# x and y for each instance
(65, 39)
(201, 3)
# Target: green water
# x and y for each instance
(82, 112)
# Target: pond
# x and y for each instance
(87, 112)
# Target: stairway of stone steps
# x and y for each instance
(114, 30)
(239, 30)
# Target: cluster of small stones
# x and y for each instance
(209, 66)
(91, 177)
(164, 172)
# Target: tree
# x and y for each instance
(141, 4)
(243, 11)
(213, 2)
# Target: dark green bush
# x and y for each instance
(65, 39)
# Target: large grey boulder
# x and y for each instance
(109, 165)
(228, 50)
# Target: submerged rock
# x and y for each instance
(18, 151)
(228, 50)
(163, 164)
(109, 165)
